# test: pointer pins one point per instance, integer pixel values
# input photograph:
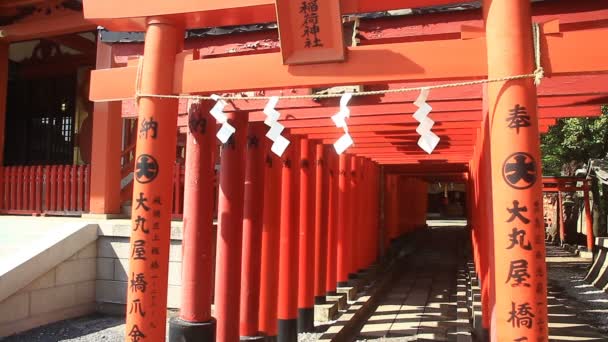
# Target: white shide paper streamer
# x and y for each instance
(345, 141)
(279, 142)
(227, 130)
(428, 140)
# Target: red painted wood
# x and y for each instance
(332, 218)
(252, 230)
(321, 165)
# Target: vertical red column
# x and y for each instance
(485, 209)
(332, 220)
(519, 245)
(360, 226)
(269, 282)
(306, 257)
(106, 142)
(230, 230)
(344, 242)
(353, 225)
(321, 222)
(252, 232)
(588, 217)
(155, 151)
(288, 252)
(560, 213)
(375, 212)
(3, 94)
(195, 322)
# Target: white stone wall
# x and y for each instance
(66, 291)
(113, 267)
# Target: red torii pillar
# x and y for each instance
(321, 222)
(3, 98)
(333, 170)
(306, 310)
(588, 217)
(195, 322)
(230, 230)
(252, 232)
(344, 243)
(105, 160)
(288, 252)
(560, 213)
(355, 225)
(269, 282)
(151, 217)
(519, 244)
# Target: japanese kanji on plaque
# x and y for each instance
(310, 31)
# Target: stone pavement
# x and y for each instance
(422, 304)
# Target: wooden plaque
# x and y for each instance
(310, 31)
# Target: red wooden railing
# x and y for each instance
(46, 189)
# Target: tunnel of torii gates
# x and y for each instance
(292, 228)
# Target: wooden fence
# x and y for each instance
(46, 189)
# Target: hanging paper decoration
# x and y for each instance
(339, 119)
(227, 130)
(280, 143)
(428, 140)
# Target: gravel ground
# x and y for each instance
(85, 329)
(93, 328)
(566, 273)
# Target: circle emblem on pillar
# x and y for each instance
(519, 170)
(146, 168)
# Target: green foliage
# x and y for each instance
(572, 142)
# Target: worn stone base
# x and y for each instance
(326, 312)
(349, 291)
(340, 299)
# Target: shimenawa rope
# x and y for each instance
(537, 75)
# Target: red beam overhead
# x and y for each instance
(427, 168)
(383, 128)
(568, 53)
(454, 135)
(130, 15)
(561, 90)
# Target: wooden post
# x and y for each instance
(3, 97)
(332, 218)
(195, 322)
(306, 225)
(288, 258)
(560, 217)
(106, 146)
(343, 246)
(230, 230)
(252, 232)
(321, 222)
(151, 217)
(519, 244)
(269, 282)
(588, 217)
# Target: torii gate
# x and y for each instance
(511, 170)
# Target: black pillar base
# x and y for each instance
(271, 338)
(306, 320)
(288, 330)
(353, 276)
(343, 284)
(320, 300)
(332, 293)
(184, 331)
(253, 338)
